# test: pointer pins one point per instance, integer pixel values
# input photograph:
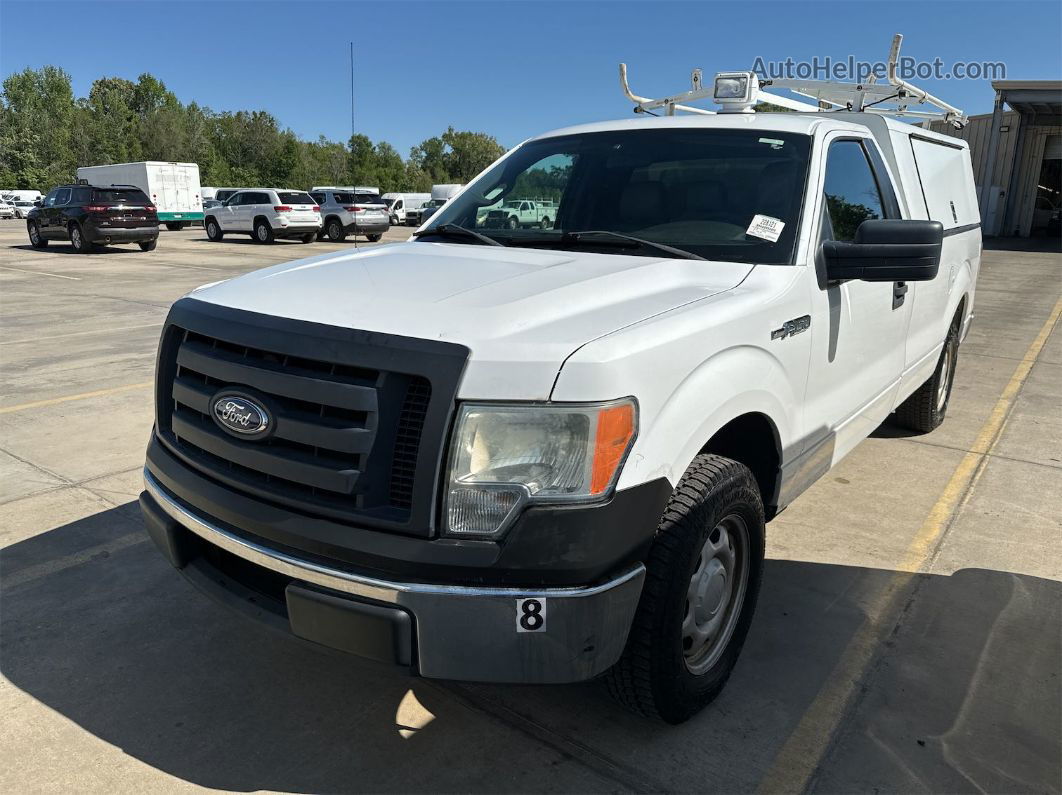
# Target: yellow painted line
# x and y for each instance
(83, 396)
(41, 273)
(800, 756)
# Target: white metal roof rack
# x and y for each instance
(739, 92)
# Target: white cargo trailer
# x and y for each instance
(173, 187)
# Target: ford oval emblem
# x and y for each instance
(240, 415)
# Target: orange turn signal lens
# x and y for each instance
(615, 429)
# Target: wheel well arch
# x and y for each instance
(752, 439)
(258, 218)
(960, 312)
(332, 217)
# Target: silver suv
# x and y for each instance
(347, 211)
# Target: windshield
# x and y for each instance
(721, 194)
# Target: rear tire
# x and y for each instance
(924, 410)
(263, 232)
(148, 245)
(335, 231)
(700, 591)
(374, 238)
(78, 241)
(34, 232)
(174, 226)
(213, 230)
(546, 224)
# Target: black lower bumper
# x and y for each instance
(467, 633)
(106, 234)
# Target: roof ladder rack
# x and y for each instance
(740, 92)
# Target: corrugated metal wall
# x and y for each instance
(1017, 209)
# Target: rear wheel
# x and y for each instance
(335, 231)
(263, 232)
(546, 224)
(174, 226)
(78, 241)
(374, 238)
(924, 410)
(703, 577)
(35, 235)
(213, 230)
(148, 245)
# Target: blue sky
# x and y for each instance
(507, 68)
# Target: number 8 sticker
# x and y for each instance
(530, 615)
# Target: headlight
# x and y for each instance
(505, 456)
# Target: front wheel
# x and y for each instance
(35, 235)
(263, 232)
(213, 230)
(702, 580)
(513, 223)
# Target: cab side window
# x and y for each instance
(852, 193)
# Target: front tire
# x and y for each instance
(703, 578)
(263, 232)
(924, 410)
(213, 230)
(513, 223)
(35, 235)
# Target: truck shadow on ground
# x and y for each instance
(97, 627)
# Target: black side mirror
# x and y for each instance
(892, 250)
(38, 203)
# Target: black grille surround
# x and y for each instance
(360, 418)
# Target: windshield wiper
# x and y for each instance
(588, 234)
(454, 230)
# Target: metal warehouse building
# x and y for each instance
(1017, 157)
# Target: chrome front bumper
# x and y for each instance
(459, 632)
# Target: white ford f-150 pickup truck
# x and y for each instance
(545, 455)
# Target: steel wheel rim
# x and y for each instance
(715, 594)
(945, 379)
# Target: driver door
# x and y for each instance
(859, 328)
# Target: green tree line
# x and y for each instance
(46, 133)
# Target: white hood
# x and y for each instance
(522, 312)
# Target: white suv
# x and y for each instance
(266, 214)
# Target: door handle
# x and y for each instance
(899, 294)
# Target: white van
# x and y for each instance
(174, 187)
(542, 455)
(21, 195)
(398, 203)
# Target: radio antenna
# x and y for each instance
(352, 132)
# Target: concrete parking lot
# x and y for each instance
(907, 637)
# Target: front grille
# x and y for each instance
(349, 440)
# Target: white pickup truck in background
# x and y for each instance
(524, 214)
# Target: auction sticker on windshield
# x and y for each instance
(765, 227)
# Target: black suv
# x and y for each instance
(88, 216)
